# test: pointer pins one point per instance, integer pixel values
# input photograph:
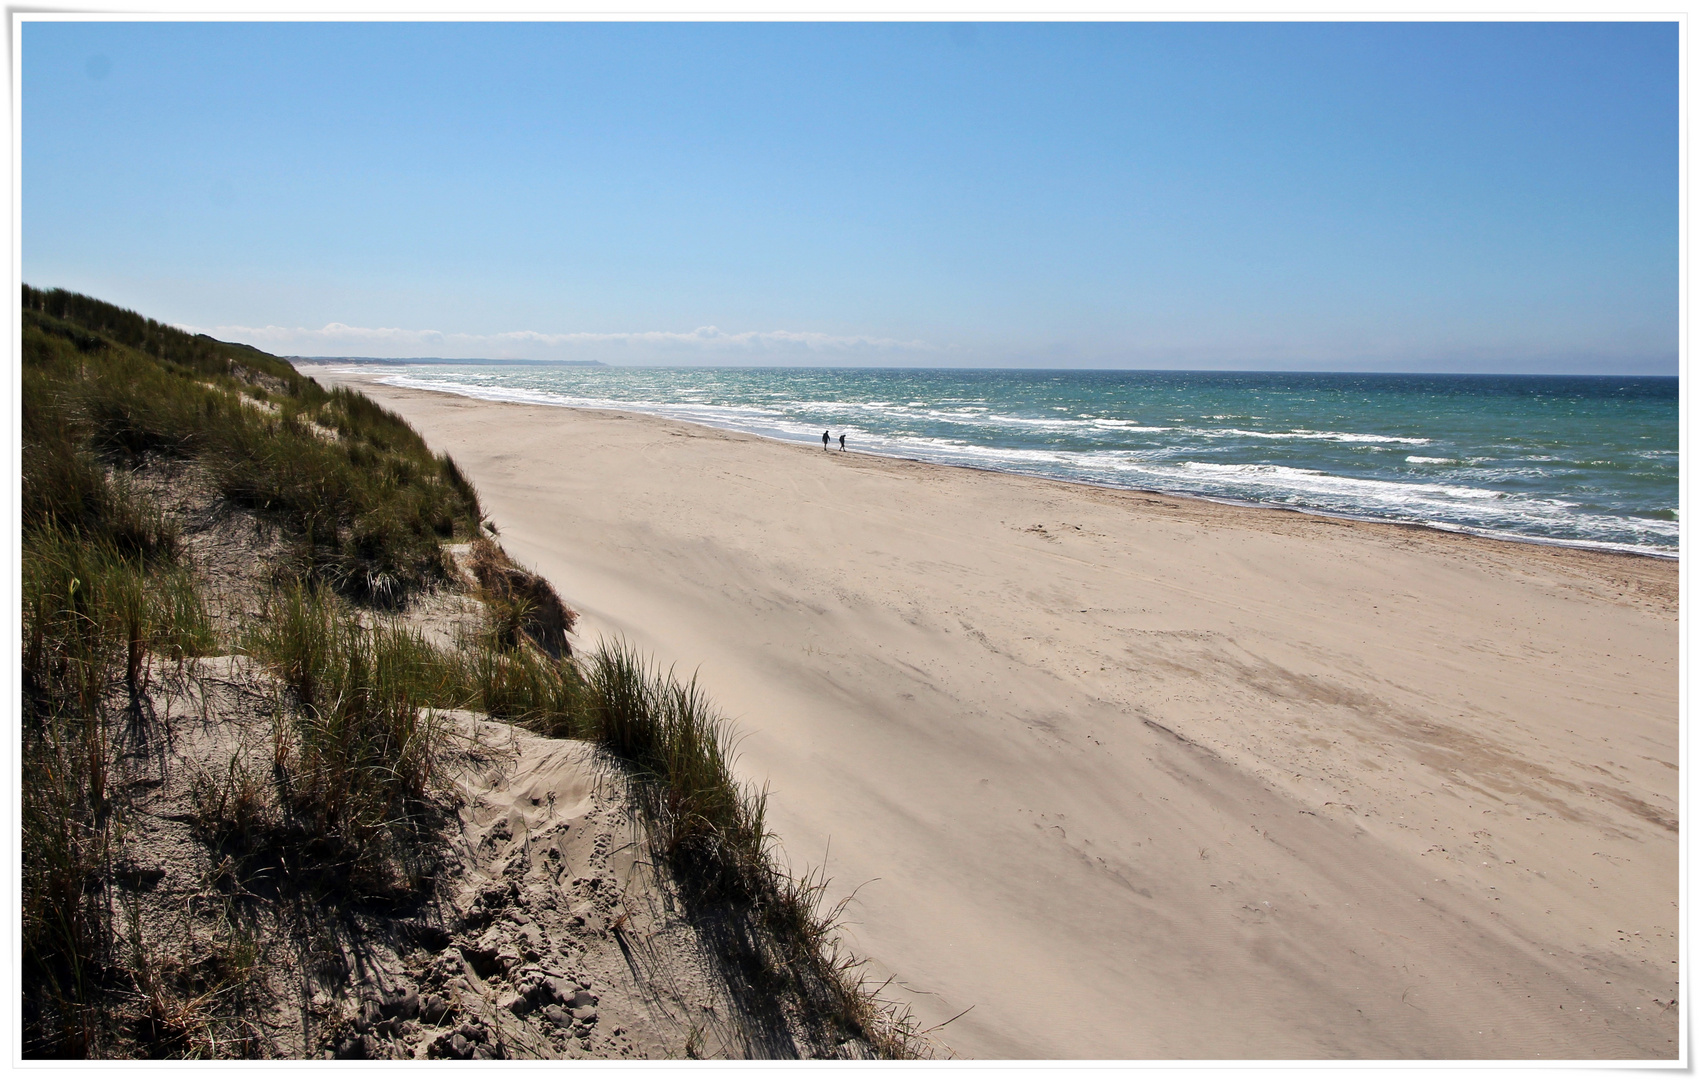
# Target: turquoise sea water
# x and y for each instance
(1576, 460)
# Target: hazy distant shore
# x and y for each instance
(1139, 776)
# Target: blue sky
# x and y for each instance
(1375, 196)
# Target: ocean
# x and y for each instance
(1585, 461)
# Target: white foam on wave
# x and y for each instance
(883, 407)
(1047, 423)
(961, 452)
(1318, 436)
(1126, 425)
(1288, 477)
(1552, 541)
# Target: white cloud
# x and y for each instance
(703, 343)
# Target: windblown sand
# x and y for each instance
(1130, 776)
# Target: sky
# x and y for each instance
(1497, 197)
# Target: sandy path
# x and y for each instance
(1140, 777)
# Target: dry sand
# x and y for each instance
(1130, 776)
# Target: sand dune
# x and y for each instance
(1128, 776)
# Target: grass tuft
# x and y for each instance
(712, 829)
(520, 604)
(357, 762)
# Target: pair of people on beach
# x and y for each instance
(826, 440)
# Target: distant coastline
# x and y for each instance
(440, 360)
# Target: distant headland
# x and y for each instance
(439, 360)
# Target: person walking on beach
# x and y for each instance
(826, 439)
(840, 440)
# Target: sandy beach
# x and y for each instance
(1116, 775)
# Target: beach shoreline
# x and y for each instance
(1500, 535)
(1140, 775)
